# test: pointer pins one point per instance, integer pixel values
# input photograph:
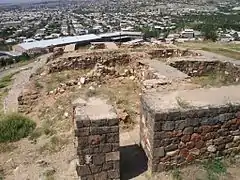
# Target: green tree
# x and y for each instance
(209, 32)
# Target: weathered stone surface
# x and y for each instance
(98, 141)
(195, 151)
(113, 156)
(185, 138)
(211, 148)
(195, 137)
(98, 159)
(171, 147)
(236, 138)
(191, 134)
(180, 125)
(199, 144)
(172, 153)
(101, 176)
(83, 170)
(168, 125)
(159, 152)
(184, 152)
(188, 130)
(113, 174)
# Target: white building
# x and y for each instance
(187, 33)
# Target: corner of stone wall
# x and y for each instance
(176, 138)
(97, 143)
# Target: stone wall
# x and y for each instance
(170, 52)
(27, 99)
(201, 68)
(180, 136)
(97, 133)
(89, 60)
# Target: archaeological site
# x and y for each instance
(135, 112)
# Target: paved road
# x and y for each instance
(21, 80)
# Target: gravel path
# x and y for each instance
(21, 80)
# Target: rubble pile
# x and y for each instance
(89, 60)
(100, 74)
(56, 53)
(27, 99)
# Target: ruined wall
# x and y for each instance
(97, 133)
(88, 61)
(170, 52)
(201, 68)
(27, 99)
(175, 138)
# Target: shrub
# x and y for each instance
(14, 126)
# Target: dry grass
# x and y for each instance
(54, 144)
(216, 79)
(124, 95)
(52, 81)
(225, 49)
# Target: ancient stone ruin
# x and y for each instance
(97, 133)
(177, 128)
(180, 123)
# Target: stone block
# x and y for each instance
(193, 122)
(194, 151)
(236, 138)
(180, 125)
(83, 142)
(158, 126)
(89, 177)
(99, 123)
(171, 147)
(98, 159)
(82, 123)
(113, 156)
(113, 174)
(159, 152)
(115, 146)
(80, 132)
(95, 169)
(161, 116)
(199, 144)
(83, 170)
(172, 153)
(113, 122)
(100, 130)
(114, 129)
(211, 148)
(185, 138)
(107, 166)
(168, 126)
(112, 138)
(188, 130)
(101, 176)
(97, 139)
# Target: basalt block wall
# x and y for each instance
(178, 137)
(97, 146)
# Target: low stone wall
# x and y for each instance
(170, 52)
(172, 137)
(97, 132)
(27, 99)
(89, 60)
(201, 68)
